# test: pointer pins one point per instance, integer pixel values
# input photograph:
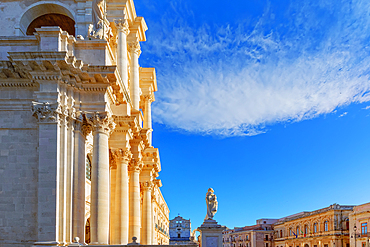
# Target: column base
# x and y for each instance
(48, 243)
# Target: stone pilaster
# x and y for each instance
(147, 213)
(134, 199)
(123, 31)
(135, 52)
(48, 207)
(101, 129)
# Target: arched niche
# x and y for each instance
(47, 14)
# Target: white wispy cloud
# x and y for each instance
(343, 114)
(235, 80)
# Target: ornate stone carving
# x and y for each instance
(100, 122)
(135, 165)
(122, 155)
(147, 185)
(122, 25)
(134, 47)
(46, 112)
(80, 124)
(212, 204)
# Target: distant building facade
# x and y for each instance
(259, 235)
(180, 230)
(326, 227)
(359, 220)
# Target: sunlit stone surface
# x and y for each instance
(77, 158)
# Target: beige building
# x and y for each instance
(359, 221)
(77, 158)
(326, 227)
(259, 235)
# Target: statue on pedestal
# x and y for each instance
(212, 204)
(100, 28)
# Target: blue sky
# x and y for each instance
(265, 101)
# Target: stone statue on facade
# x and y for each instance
(212, 204)
(100, 28)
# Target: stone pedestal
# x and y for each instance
(211, 233)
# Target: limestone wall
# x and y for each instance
(18, 166)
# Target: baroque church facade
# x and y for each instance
(77, 158)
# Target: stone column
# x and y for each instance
(82, 129)
(147, 213)
(113, 222)
(148, 116)
(102, 126)
(122, 195)
(134, 75)
(134, 199)
(48, 170)
(123, 31)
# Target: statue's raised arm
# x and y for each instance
(212, 204)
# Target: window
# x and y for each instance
(297, 230)
(363, 244)
(179, 235)
(88, 168)
(326, 245)
(305, 230)
(364, 228)
(315, 228)
(266, 238)
(290, 231)
(281, 233)
(267, 244)
(326, 226)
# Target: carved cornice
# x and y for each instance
(46, 112)
(151, 158)
(100, 122)
(122, 25)
(134, 47)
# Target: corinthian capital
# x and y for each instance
(122, 155)
(134, 46)
(46, 112)
(122, 25)
(135, 165)
(100, 122)
(147, 185)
